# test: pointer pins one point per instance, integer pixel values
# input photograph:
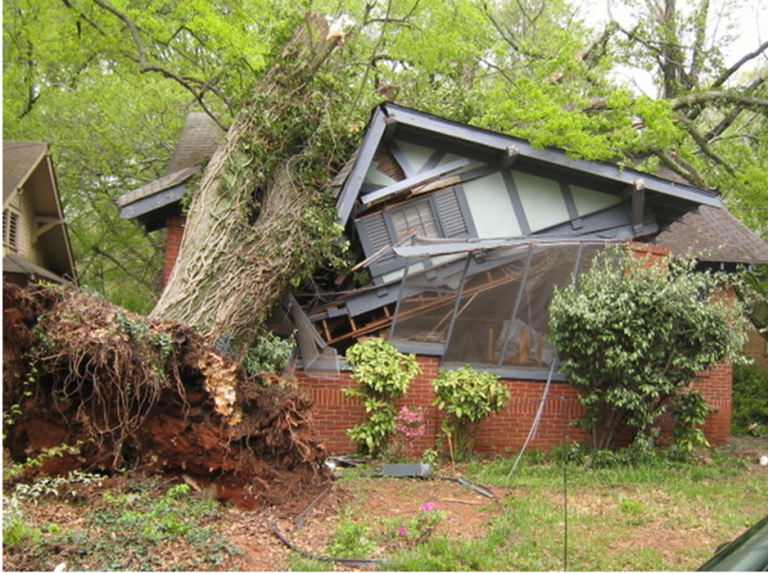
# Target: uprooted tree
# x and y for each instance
(258, 221)
(87, 385)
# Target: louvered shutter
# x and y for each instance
(375, 234)
(450, 213)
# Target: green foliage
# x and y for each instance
(416, 529)
(351, 539)
(468, 397)
(382, 374)
(635, 330)
(271, 354)
(690, 411)
(750, 400)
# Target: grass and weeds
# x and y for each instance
(127, 528)
(616, 512)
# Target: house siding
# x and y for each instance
(503, 432)
(25, 238)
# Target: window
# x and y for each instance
(441, 214)
(416, 218)
(11, 228)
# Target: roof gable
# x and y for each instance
(390, 122)
(28, 168)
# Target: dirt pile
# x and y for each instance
(109, 390)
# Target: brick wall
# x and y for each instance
(504, 432)
(172, 244)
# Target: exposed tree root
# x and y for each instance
(124, 392)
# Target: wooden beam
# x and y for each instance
(411, 182)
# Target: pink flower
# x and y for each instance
(403, 531)
(429, 506)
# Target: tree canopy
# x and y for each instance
(109, 82)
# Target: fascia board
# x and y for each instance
(373, 136)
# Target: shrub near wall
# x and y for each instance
(504, 432)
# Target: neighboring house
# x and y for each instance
(462, 234)
(35, 240)
(158, 205)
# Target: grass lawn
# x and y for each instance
(545, 515)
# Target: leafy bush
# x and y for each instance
(750, 400)
(270, 354)
(383, 374)
(468, 397)
(634, 330)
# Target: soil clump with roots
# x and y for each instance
(90, 386)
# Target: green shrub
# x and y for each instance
(750, 400)
(270, 354)
(468, 397)
(382, 374)
(635, 330)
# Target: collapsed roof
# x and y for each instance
(464, 232)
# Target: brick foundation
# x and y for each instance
(504, 432)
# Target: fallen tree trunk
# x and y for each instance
(87, 385)
(259, 220)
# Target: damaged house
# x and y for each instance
(462, 235)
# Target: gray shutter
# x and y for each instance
(374, 234)
(450, 214)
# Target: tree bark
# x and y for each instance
(248, 232)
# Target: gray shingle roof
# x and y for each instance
(197, 142)
(713, 234)
(19, 160)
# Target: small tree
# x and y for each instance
(383, 374)
(468, 397)
(633, 333)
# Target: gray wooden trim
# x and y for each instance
(570, 205)
(411, 182)
(401, 158)
(517, 204)
(433, 160)
(373, 135)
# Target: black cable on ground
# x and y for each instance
(345, 560)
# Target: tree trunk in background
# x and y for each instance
(248, 231)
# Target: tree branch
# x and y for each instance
(701, 98)
(680, 166)
(703, 144)
(735, 67)
(146, 66)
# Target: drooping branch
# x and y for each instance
(680, 166)
(704, 146)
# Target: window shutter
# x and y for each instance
(450, 214)
(375, 235)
